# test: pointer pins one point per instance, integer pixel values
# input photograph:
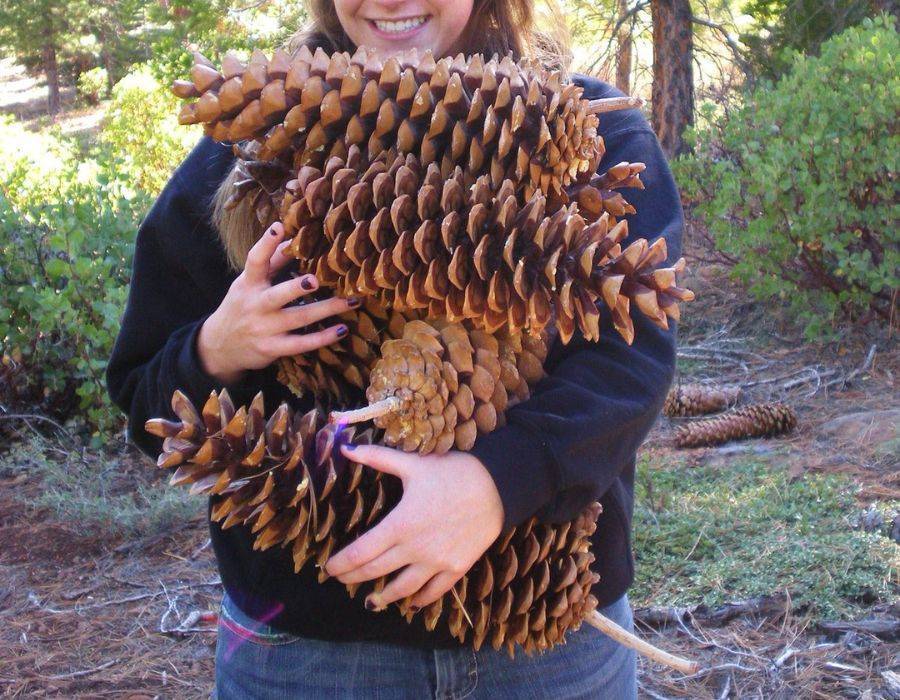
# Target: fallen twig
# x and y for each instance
(32, 597)
(77, 674)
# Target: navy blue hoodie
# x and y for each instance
(572, 442)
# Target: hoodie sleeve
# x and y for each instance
(179, 276)
(586, 419)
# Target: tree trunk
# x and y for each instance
(51, 70)
(624, 49)
(673, 73)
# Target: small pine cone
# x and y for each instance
(284, 478)
(699, 399)
(337, 374)
(492, 116)
(757, 420)
(401, 232)
(441, 385)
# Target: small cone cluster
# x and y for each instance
(338, 373)
(699, 399)
(402, 233)
(486, 115)
(285, 479)
(756, 420)
(441, 385)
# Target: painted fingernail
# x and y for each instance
(354, 302)
(308, 283)
(273, 231)
(370, 604)
(349, 446)
(342, 331)
(414, 608)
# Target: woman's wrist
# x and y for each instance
(209, 351)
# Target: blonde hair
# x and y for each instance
(495, 26)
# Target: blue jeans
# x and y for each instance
(256, 661)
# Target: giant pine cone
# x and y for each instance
(285, 479)
(403, 234)
(494, 116)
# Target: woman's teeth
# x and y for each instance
(403, 25)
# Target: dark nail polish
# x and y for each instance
(342, 331)
(354, 302)
(273, 232)
(414, 608)
(349, 446)
(369, 604)
(308, 284)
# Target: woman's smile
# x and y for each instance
(399, 28)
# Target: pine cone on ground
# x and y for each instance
(285, 479)
(699, 399)
(757, 420)
(441, 385)
(414, 240)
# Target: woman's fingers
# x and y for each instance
(407, 582)
(300, 316)
(256, 268)
(279, 259)
(434, 589)
(384, 459)
(393, 559)
(285, 292)
(372, 544)
(289, 344)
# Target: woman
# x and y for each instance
(193, 323)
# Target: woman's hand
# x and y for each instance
(251, 328)
(450, 513)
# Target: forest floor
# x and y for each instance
(774, 563)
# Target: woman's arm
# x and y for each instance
(192, 325)
(179, 275)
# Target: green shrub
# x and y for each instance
(141, 133)
(68, 221)
(798, 185)
(92, 85)
(66, 233)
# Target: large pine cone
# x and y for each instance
(286, 480)
(757, 420)
(494, 116)
(441, 385)
(401, 232)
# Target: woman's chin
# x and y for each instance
(390, 45)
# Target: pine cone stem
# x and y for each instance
(632, 641)
(370, 412)
(613, 104)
